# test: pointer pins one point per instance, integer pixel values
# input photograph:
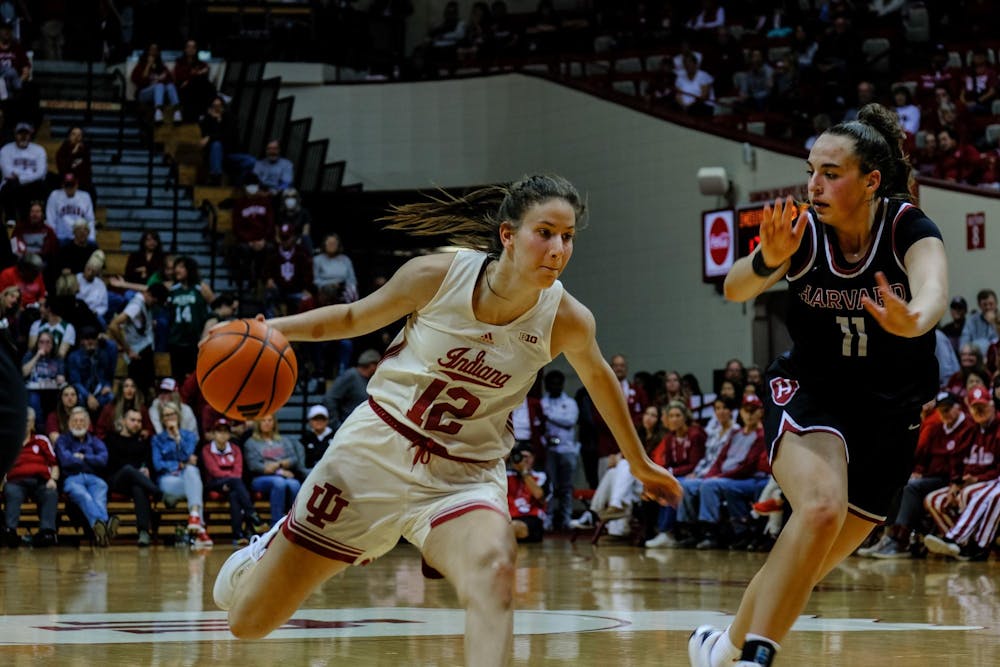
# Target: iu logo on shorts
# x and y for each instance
(325, 505)
(782, 390)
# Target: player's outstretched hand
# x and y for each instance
(894, 314)
(781, 230)
(659, 485)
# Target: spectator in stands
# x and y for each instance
(317, 436)
(83, 458)
(333, 273)
(24, 166)
(15, 67)
(288, 275)
(34, 475)
(51, 321)
(220, 141)
(175, 463)
(941, 440)
(10, 309)
(971, 362)
(275, 172)
(525, 495)
(26, 275)
(673, 389)
(253, 228)
(957, 161)
(275, 465)
(129, 461)
(439, 49)
(804, 47)
(154, 84)
(91, 369)
(503, 35)
(292, 212)
(146, 260)
(350, 389)
(194, 87)
(711, 16)
(58, 420)
(757, 83)
(72, 257)
(980, 84)
(661, 84)
(224, 309)
(188, 312)
(31, 234)
(980, 328)
(168, 396)
(947, 359)
(736, 478)
(908, 112)
(73, 157)
(224, 474)
(93, 291)
(561, 446)
(954, 328)
(865, 95)
(838, 57)
(693, 88)
(475, 42)
(129, 396)
(925, 157)
(724, 60)
(133, 330)
(44, 372)
(821, 122)
(974, 468)
(937, 75)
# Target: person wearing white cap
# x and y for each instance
(350, 389)
(317, 437)
(167, 393)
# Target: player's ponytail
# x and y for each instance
(878, 140)
(473, 220)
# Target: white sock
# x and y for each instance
(724, 653)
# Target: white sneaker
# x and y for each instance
(238, 564)
(701, 643)
(177, 116)
(585, 521)
(661, 541)
(944, 547)
(158, 116)
(868, 552)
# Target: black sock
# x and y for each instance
(759, 651)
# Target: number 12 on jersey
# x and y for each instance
(853, 329)
(437, 411)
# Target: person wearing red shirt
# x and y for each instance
(154, 83)
(975, 467)
(525, 495)
(958, 162)
(33, 235)
(684, 445)
(637, 401)
(253, 227)
(942, 435)
(223, 462)
(34, 475)
(737, 477)
(27, 276)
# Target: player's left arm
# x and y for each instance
(574, 335)
(927, 271)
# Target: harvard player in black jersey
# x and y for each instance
(12, 409)
(867, 279)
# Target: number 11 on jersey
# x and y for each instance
(853, 329)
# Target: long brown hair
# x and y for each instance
(473, 220)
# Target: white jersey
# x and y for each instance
(455, 380)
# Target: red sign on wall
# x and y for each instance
(975, 231)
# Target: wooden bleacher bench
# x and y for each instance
(109, 240)
(115, 260)
(216, 194)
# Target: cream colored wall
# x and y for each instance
(638, 265)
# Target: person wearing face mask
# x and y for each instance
(275, 172)
(253, 227)
(292, 212)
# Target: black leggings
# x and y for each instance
(240, 504)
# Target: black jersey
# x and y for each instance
(839, 350)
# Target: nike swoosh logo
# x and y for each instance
(914, 427)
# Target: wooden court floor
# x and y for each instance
(611, 606)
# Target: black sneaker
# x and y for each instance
(11, 538)
(973, 552)
(43, 539)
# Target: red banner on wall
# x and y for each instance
(975, 231)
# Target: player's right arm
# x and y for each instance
(781, 231)
(410, 289)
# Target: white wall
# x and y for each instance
(638, 265)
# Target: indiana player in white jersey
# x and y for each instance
(868, 282)
(424, 457)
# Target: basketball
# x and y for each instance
(246, 369)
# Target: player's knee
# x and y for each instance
(824, 515)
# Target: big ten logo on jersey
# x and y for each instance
(325, 504)
(783, 389)
(528, 338)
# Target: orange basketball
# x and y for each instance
(246, 369)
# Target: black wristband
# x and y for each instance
(759, 267)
